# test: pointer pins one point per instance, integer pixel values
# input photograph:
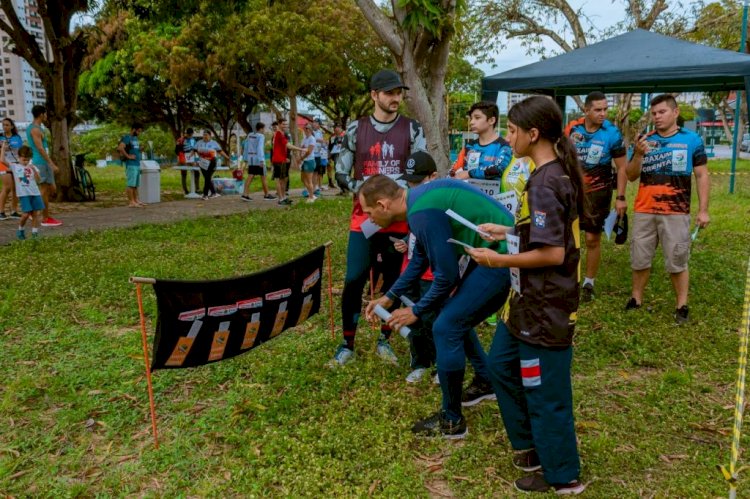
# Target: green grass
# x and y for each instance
(654, 403)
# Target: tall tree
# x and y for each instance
(569, 28)
(59, 70)
(418, 34)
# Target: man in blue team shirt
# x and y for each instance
(130, 152)
(664, 161)
(598, 143)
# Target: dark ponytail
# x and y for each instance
(544, 114)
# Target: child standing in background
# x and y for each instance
(26, 176)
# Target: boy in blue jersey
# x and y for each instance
(598, 143)
(462, 293)
(487, 156)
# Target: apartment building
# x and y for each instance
(20, 86)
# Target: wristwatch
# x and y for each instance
(620, 198)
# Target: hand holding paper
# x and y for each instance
(458, 218)
(460, 243)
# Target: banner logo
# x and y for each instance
(192, 315)
(278, 295)
(310, 281)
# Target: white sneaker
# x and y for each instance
(436, 379)
(416, 375)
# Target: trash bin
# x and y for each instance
(150, 189)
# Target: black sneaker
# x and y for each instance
(477, 391)
(632, 304)
(527, 460)
(246, 198)
(537, 483)
(681, 315)
(587, 292)
(269, 196)
(3, 216)
(438, 426)
(285, 201)
(15, 215)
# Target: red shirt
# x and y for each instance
(279, 147)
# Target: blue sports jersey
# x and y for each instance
(487, 161)
(665, 172)
(596, 150)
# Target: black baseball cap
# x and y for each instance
(386, 80)
(418, 166)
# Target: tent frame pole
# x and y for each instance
(738, 104)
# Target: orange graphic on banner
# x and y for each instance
(219, 344)
(184, 344)
(251, 331)
(306, 306)
(278, 325)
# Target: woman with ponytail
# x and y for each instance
(530, 358)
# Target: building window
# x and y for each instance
(10, 102)
(11, 113)
(10, 91)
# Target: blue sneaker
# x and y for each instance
(305, 193)
(385, 351)
(20, 234)
(317, 192)
(342, 356)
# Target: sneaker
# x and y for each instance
(436, 379)
(34, 235)
(537, 483)
(438, 426)
(317, 192)
(305, 193)
(330, 185)
(51, 222)
(477, 391)
(385, 351)
(527, 460)
(323, 188)
(3, 216)
(269, 197)
(20, 234)
(311, 200)
(681, 315)
(587, 292)
(342, 356)
(15, 215)
(204, 197)
(416, 375)
(632, 304)
(215, 195)
(492, 320)
(246, 198)
(285, 202)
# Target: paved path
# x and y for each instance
(167, 212)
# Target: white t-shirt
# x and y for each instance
(307, 142)
(25, 179)
(319, 146)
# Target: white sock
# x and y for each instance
(34, 230)
(588, 280)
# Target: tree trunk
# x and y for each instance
(723, 106)
(293, 118)
(58, 123)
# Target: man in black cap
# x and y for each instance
(372, 145)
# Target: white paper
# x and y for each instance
(694, 235)
(369, 228)
(460, 243)
(609, 223)
(458, 218)
(514, 245)
(489, 187)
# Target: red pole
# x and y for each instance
(148, 368)
(330, 291)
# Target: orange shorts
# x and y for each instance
(3, 168)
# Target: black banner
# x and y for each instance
(206, 321)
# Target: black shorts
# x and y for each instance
(281, 170)
(256, 170)
(598, 205)
(320, 168)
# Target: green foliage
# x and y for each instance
(634, 115)
(103, 141)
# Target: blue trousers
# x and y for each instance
(361, 254)
(481, 293)
(535, 396)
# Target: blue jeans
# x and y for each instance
(535, 395)
(481, 293)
